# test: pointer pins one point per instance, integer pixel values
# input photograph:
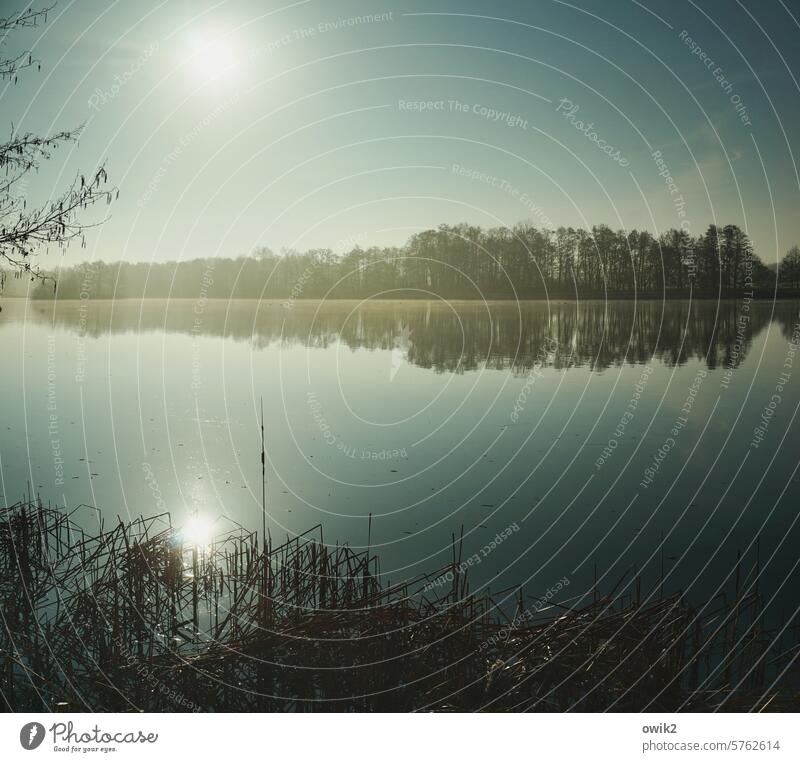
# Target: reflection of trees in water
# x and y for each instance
(789, 322)
(456, 337)
(593, 334)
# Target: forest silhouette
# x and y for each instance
(454, 262)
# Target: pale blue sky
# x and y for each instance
(245, 123)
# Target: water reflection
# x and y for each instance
(451, 336)
(371, 432)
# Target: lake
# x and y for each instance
(569, 440)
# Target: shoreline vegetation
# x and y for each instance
(452, 262)
(132, 617)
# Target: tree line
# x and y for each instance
(454, 261)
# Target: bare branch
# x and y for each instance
(23, 230)
(55, 223)
(30, 17)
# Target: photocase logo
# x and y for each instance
(31, 735)
(402, 343)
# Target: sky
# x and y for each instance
(233, 125)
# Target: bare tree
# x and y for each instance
(24, 228)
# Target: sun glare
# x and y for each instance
(197, 532)
(212, 57)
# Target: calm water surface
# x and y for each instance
(595, 436)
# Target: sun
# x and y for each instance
(212, 57)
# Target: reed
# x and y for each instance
(132, 619)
